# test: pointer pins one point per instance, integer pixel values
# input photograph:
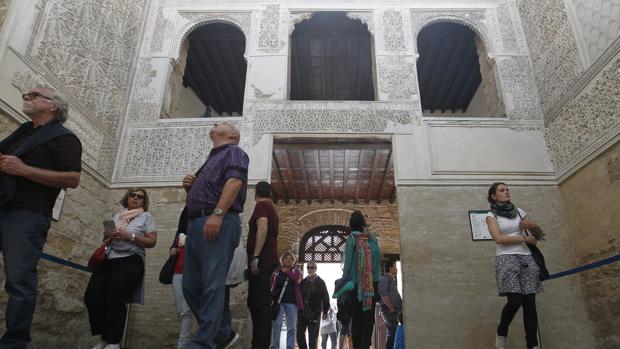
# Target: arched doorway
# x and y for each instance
(323, 244)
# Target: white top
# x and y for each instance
(510, 227)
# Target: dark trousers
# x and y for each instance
(391, 322)
(110, 288)
(362, 326)
(530, 318)
(313, 331)
(22, 236)
(259, 302)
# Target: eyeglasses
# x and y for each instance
(136, 196)
(33, 95)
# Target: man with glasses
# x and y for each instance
(315, 299)
(36, 161)
(215, 197)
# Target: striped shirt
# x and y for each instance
(62, 154)
(224, 162)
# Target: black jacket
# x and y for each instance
(315, 297)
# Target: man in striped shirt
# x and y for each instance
(36, 177)
(215, 197)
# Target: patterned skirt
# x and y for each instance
(516, 273)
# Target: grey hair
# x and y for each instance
(235, 130)
(62, 106)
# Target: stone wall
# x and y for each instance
(448, 279)
(297, 219)
(591, 197)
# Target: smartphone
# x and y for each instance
(109, 226)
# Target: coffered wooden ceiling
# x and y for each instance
(332, 170)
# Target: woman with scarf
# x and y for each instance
(119, 279)
(516, 272)
(362, 268)
(286, 292)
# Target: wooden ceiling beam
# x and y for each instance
(302, 162)
(357, 177)
(289, 172)
(317, 159)
(279, 175)
(372, 176)
(386, 168)
(331, 176)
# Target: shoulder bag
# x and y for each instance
(538, 257)
(97, 258)
(167, 271)
(275, 303)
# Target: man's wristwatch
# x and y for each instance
(254, 257)
(218, 212)
(133, 237)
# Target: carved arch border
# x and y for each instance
(481, 30)
(199, 19)
(364, 17)
(328, 216)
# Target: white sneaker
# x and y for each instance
(112, 346)
(100, 345)
(500, 342)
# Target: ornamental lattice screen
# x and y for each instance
(324, 244)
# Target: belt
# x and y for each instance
(204, 212)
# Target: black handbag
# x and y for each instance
(538, 258)
(167, 271)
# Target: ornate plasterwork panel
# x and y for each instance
(520, 97)
(269, 31)
(297, 17)
(89, 47)
(365, 17)
(553, 49)
(512, 40)
(327, 117)
(397, 76)
(241, 20)
(586, 119)
(144, 104)
(393, 34)
(598, 24)
(165, 152)
(475, 19)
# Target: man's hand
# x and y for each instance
(254, 266)
(211, 229)
(12, 165)
(188, 181)
(172, 251)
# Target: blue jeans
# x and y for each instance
(22, 236)
(204, 276)
(290, 310)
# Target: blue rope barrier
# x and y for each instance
(585, 267)
(64, 262)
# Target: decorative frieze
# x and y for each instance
(397, 76)
(365, 17)
(328, 117)
(297, 17)
(161, 27)
(512, 40)
(598, 22)
(520, 97)
(143, 105)
(585, 119)
(393, 34)
(91, 138)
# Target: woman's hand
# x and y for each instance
(121, 235)
(173, 251)
(527, 224)
(531, 240)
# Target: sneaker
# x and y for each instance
(100, 345)
(232, 339)
(500, 342)
(112, 346)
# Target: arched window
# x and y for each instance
(331, 59)
(455, 74)
(209, 77)
(324, 244)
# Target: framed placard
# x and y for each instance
(478, 225)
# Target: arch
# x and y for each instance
(481, 31)
(323, 244)
(329, 216)
(188, 28)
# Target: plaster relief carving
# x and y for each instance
(269, 32)
(517, 83)
(328, 117)
(259, 94)
(599, 23)
(585, 119)
(393, 35)
(143, 105)
(397, 76)
(511, 38)
(553, 49)
(297, 17)
(364, 17)
(89, 47)
(24, 80)
(91, 138)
